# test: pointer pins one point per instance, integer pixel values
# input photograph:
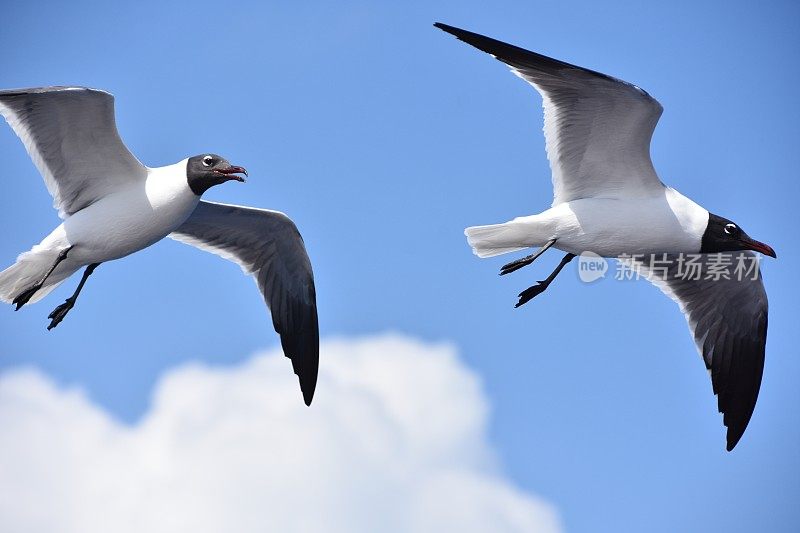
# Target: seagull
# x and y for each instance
(608, 200)
(113, 206)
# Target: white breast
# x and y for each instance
(132, 218)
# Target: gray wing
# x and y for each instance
(728, 320)
(71, 135)
(597, 128)
(267, 245)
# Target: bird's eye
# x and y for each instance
(730, 229)
(207, 161)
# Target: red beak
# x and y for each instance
(232, 171)
(765, 249)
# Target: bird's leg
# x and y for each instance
(529, 293)
(61, 311)
(28, 293)
(525, 261)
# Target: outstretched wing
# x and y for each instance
(267, 245)
(728, 320)
(71, 135)
(597, 128)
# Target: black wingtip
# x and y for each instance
(447, 28)
(452, 30)
(308, 391)
(736, 427)
(308, 382)
(505, 52)
(306, 370)
(733, 438)
(301, 346)
(481, 42)
(519, 58)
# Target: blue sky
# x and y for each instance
(383, 138)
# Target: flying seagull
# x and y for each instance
(113, 206)
(609, 200)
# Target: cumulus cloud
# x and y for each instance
(395, 440)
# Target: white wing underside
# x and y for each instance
(597, 135)
(597, 128)
(71, 135)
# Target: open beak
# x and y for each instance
(759, 247)
(231, 172)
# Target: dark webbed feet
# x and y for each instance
(525, 261)
(531, 292)
(516, 265)
(60, 312)
(25, 296)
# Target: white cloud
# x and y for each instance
(395, 440)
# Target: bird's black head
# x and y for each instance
(206, 170)
(722, 235)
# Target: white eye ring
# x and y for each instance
(207, 160)
(730, 228)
